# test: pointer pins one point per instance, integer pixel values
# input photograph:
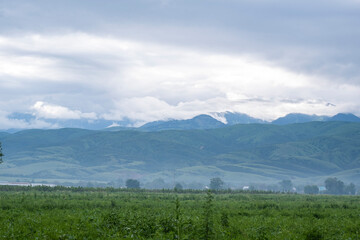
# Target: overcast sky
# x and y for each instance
(148, 60)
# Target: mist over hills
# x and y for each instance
(241, 153)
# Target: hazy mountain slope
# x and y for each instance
(303, 118)
(238, 153)
(345, 117)
(32, 139)
(298, 118)
(198, 122)
(3, 134)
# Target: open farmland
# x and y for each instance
(94, 213)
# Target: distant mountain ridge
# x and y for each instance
(203, 121)
(199, 122)
(299, 118)
(217, 120)
(345, 117)
(303, 118)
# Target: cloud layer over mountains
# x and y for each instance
(148, 60)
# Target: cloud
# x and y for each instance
(116, 78)
(158, 59)
(10, 123)
(312, 37)
(49, 111)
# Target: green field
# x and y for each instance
(78, 213)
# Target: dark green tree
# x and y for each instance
(334, 186)
(178, 186)
(286, 185)
(311, 189)
(132, 183)
(350, 189)
(216, 183)
(1, 154)
(157, 183)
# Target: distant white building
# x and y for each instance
(42, 184)
(245, 188)
(25, 184)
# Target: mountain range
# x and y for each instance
(239, 153)
(203, 121)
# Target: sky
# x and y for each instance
(147, 60)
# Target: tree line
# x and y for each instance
(332, 186)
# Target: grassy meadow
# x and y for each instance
(95, 213)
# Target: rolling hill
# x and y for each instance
(242, 153)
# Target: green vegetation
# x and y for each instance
(92, 213)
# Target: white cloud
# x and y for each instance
(116, 78)
(74, 44)
(49, 111)
(6, 123)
